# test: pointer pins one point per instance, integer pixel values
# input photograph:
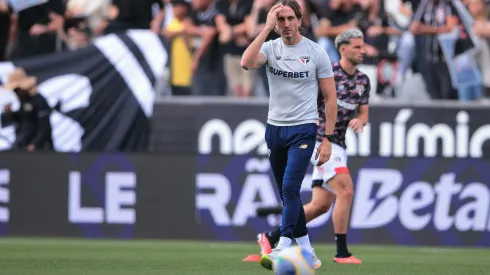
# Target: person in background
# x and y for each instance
(375, 25)
(180, 49)
(438, 16)
(480, 9)
(95, 12)
(207, 60)
(341, 16)
(134, 14)
(32, 124)
(5, 19)
(408, 7)
(76, 37)
(230, 23)
(410, 47)
(36, 29)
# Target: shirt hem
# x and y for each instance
(291, 123)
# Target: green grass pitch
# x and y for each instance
(23, 256)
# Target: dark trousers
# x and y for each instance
(181, 90)
(439, 84)
(290, 150)
(206, 82)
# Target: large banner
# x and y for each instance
(409, 201)
(96, 195)
(102, 96)
(406, 201)
(397, 131)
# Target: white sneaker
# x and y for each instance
(316, 262)
(267, 260)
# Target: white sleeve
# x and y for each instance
(323, 65)
(266, 50)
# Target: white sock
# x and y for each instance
(304, 242)
(284, 242)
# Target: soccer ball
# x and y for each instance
(294, 261)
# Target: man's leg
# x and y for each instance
(344, 189)
(277, 157)
(321, 201)
(300, 142)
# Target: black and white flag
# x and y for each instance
(101, 96)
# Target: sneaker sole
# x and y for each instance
(266, 262)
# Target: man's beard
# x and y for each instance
(290, 35)
(354, 61)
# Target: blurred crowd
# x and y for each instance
(207, 37)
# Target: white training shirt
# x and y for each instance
(293, 72)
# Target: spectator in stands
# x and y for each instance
(76, 37)
(180, 50)
(377, 28)
(308, 8)
(94, 12)
(230, 23)
(134, 14)
(340, 16)
(5, 19)
(375, 25)
(207, 60)
(480, 9)
(36, 29)
(409, 48)
(438, 16)
(31, 121)
(408, 7)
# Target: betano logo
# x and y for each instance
(382, 197)
(396, 139)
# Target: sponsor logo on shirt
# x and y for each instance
(346, 105)
(295, 75)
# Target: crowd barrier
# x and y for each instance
(422, 177)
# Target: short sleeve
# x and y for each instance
(366, 93)
(266, 50)
(323, 65)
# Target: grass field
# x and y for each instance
(77, 257)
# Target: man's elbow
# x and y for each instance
(245, 65)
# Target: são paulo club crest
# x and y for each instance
(304, 59)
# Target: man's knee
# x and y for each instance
(321, 201)
(342, 185)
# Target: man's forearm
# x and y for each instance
(430, 30)
(330, 115)
(206, 43)
(364, 119)
(250, 54)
